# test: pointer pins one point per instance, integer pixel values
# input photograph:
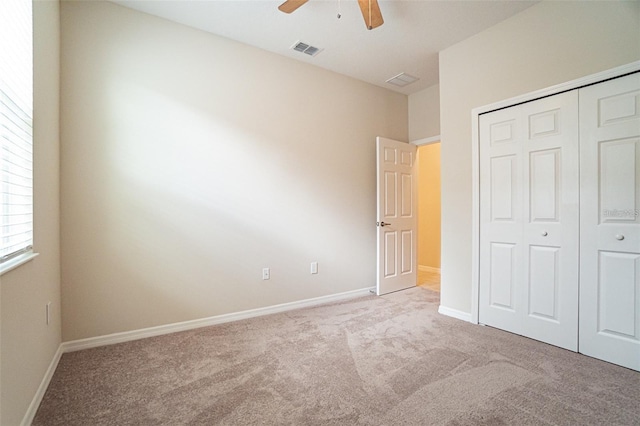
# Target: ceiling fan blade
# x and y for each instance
(291, 5)
(371, 13)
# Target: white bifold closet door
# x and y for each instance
(529, 222)
(610, 221)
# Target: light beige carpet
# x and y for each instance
(389, 360)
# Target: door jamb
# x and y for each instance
(475, 155)
(426, 141)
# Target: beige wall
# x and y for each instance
(547, 44)
(424, 113)
(28, 344)
(429, 205)
(190, 162)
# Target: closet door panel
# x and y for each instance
(529, 220)
(550, 225)
(545, 188)
(502, 276)
(501, 220)
(544, 282)
(610, 222)
(617, 294)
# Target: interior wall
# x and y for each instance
(547, 44)
(424, 113)
(28, 343)
(190, 162)
(429, 205)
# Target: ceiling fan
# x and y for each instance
(369, 8)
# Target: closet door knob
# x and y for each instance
(545, 233)
(619, 237)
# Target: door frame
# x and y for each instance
(475, 156)
(426, 141)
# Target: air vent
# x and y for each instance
(305, 48)
(402, 80)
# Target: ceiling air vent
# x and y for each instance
(306, 48)
(402, 79)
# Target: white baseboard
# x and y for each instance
(425, 268)
(110, 339)
(464, 316)
(44, 384)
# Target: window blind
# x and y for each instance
(16, 127)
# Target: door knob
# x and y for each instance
(383, 224)
(545, 233)
(619, 237)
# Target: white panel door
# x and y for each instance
(396, 213)
(529, 220)
(551, 220)
(610, 222)
(501, 224)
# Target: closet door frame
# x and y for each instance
(475, 141)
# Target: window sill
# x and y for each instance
(12, 264)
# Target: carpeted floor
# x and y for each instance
(390, 360)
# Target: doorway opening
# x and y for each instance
(429, 216)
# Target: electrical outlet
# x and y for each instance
(314, 267)
(48, 309)
(266, 273)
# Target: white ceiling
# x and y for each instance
(409, 41)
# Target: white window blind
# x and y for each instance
(16, 127)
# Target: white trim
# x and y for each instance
(425, 268)
(44, 384)
(426, 141)
(562, 87)
(475, 216)
(126, 336)
(454, 313)
(475, 140)
(12, 264)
